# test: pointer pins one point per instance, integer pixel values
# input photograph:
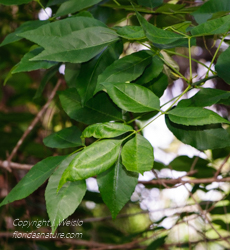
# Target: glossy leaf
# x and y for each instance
(38, 174)
(200, 137)
(86, 81)
(195, 116)
(137, 155)
(125, 69)
(54, 2)
(222, 65)
(70, 6)
(30, 25)
(156, 244)
(213, 27)
(93, 160)
(116, 186)
(131, 32)
(158, 85)
(106, 130)
(14, 2)
(67, 40)
(98, 109)
(132, 97)
(210, 7)
(72, 71)
(152, 71)
(150, 3)
(49, 74)
(62, 204)
(205, 97)
(26, 65)
(65, 138)
(161, 38)
(185, 163)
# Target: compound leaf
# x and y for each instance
(65, 138)
(33, 179)
(116, 186)
(71, 7)
(132, 97)
(62, 204)
(200, 137)
(98, 109)
(68, 40)
(26, 65)
(137, 154)
(195, 116)
(222, 65)
(106, 130)
(93, 160)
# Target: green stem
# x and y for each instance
(77, 150)
(214, 57)
(39, 2)
(143, 10)
(190, 59)
(175, 70)
(203, 80)
(116, 3)
(178, 54)
(164, 112)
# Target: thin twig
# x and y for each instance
(181, 181)
(196, 242)
(221, 166)
(205, 216)
(15, 165)
(33, 123)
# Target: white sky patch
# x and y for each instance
(45, 14)
(62, 69)
(158, 134)
(92, 184)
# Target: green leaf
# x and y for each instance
(93, 160)
(184, 163)
(125, 69)
(222, 65)
(65, 138)
(67, 40)
(31, 25)
(116, 186)
(195, 116)
(210, 7)
(161, 38)
(54, 2)
(137, 155)
(150, 3)
(152, 71)
(131, 32)
(200, 137)
(106, 130)
(132, 97)
(72, 71)
(158, 85)
(98, 109)
(70, 6)
(14, 2)
(62, 204)
(213, 27)
(26, 65)
(205, 97)
(86, 81)
(33, 179)
(49, 74)
(157, 243)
